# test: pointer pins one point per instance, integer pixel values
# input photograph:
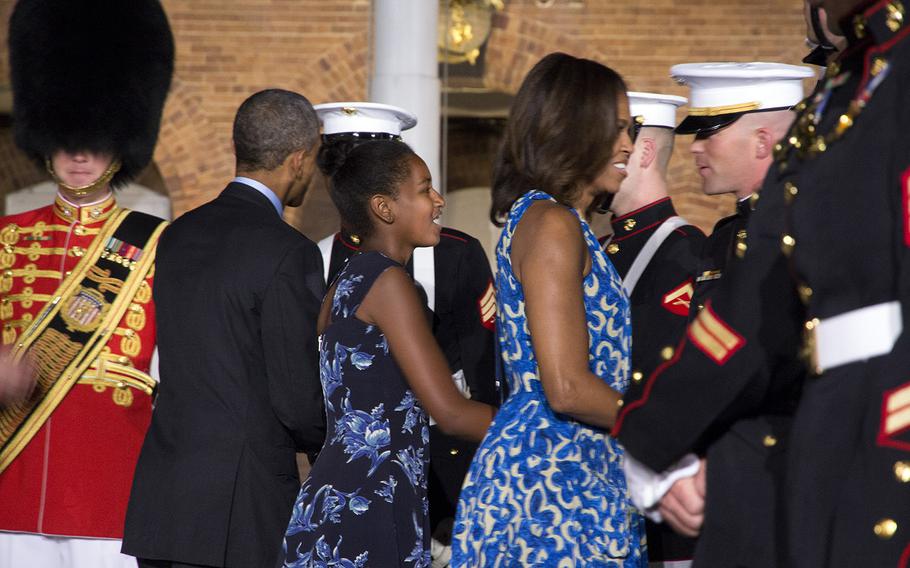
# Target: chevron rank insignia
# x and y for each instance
(678, 300)
(487, 306)
(715, 338)
(895, 418)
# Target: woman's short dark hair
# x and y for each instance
(359, 170)
(561, 131)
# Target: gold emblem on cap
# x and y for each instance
(350, 111)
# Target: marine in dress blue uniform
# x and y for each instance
(686, 409)
(656, 252)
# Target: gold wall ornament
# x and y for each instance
(463, 28)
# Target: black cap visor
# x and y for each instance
(696, 124)
(819, 56)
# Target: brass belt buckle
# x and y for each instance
(810, 346)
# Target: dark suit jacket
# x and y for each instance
(237, 293)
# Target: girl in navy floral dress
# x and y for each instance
(364, 503)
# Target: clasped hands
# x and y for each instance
(683, 506)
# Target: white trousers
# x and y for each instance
(26, 550)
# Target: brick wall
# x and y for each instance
(227, 49)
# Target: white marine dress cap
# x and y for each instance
(654, 109)
(364, 120)
(722, 92)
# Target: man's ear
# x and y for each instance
(648, 152)
(381, 207)
(764, 143)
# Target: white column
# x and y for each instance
(405, 70)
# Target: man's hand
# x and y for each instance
(17, 380)
(683, 507)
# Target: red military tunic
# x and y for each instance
(74, 476)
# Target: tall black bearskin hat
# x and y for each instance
(90, 75)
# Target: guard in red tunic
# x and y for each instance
(89, 82)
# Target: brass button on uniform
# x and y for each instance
(666, 353)
(902, 471)
(878, 65)
(79, 230)
(612, 248)
(885, 529)
(769, 441)
(895, 16)
(805, 293)
(741, 249)
(629, 224)
(859, 26)
(453, 451)
(741, 234)
(787, 243)
(790, 192)
(637, 376)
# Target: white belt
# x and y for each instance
(853, 336)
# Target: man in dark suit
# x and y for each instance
(237, 293)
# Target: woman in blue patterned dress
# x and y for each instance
(546, 486)
(364, 502)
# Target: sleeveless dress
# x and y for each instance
(365, 501)
(544, 489)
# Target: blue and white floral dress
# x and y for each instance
(365, 501)
(544, 489)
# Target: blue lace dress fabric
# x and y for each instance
(365, 501)
(544, 489)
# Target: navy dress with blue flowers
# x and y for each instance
(365, 501)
